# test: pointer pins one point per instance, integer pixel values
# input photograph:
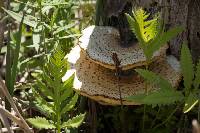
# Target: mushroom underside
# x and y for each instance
(100, 42)
(102, 85)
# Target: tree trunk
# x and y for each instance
(176, 12)
(1, 24)
(184, 13)
(194, 28)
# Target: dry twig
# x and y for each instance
(19, 120)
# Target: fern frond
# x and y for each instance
(57, 65)
(47, 77)
(68, 83)
(187, 66)
(161, 39)
(42, 101)
(160, 97)
(138, 98)
(151, 29)
(144, 29)
(43, 108)
(168, 35)
(74, 122)
(43, 89)
(41, 123)
(154, 79)
(70, 105)
(60, 95)
(140, 16)
(191, 101)
(164, 96)
(197, 76)
(67, 88)
(150, 33)
(135, 29)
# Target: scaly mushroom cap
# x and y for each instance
(101, 84)
(99, 42)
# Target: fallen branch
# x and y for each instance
(6, 123)
(5, 130)
(20, 121)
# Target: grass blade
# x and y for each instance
(16, 57)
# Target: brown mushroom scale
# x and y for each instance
(93, 65)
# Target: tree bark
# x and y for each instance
(184, 13)
(194, 28)
(178, 15)
(176, 12)
(1, 24)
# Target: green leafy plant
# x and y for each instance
(151, 36)
(150, 32)
(49, 23)
(164, 96)
(54, 97)
(191, 77)
(12, 63)
(46, 24)
(167, 94)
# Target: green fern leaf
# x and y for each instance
(41, 123)
(70, 105)
(135, 29)
(74, 122)
(197, 76)
(170, 34)
(154, 79)
(58, 65)
(67, 88)
(191, 101)
(139, 16)
(63, 70)
(187, 66)
(162, 40)
(44, 105)
(43, 88)
(46, 77)
(150, 33)
(144, 29)
(68, 83)
(164, 96)
(43, 109)
(53, 70)
(160, 97)
(139, 98)
(55, 97)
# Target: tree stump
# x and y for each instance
(175, 12)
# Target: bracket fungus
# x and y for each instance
(100, 41)
(94, 68)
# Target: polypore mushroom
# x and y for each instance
(100, 41)
(100, 83)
